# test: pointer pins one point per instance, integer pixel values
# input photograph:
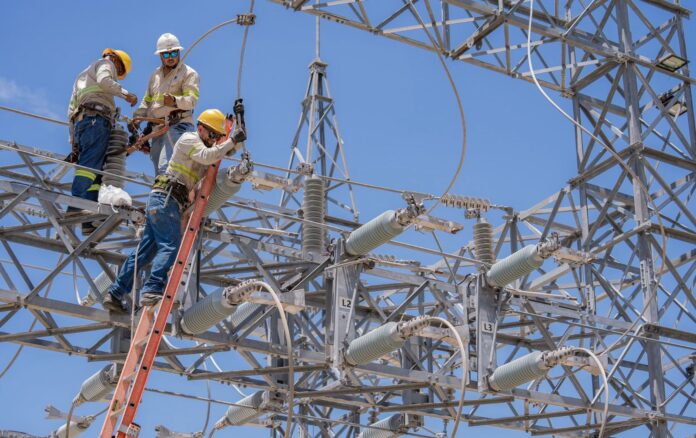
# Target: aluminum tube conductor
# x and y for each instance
(390, 427)
(97, 386)
(115, 159)
(216, 307)
(227, 184)
(313, 207)
(374, 233)
(102, 282)
(244, 411)
(514, 266)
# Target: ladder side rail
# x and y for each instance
(129, 367)
(187, 243)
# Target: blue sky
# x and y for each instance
(396, 111)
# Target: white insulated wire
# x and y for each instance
(628, 170)
(465, 369)
(605, 387)
(291, 366)
(636, 181)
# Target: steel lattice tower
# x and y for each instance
(615, 64)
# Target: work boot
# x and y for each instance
(150, 299)
(113, 304)
(73, 213)
(88, 228)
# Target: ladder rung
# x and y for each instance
(139, 343)
(117, 412)
(129, 377)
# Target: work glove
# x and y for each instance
(238, 108)
(239, 134)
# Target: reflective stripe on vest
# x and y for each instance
(94, 188)
(86, 173)
(185, 170)
(159, 97)
(81, 93)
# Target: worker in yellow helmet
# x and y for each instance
(91, 113)
(192, 155)
(172, 94)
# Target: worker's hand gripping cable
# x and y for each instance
(238, 133)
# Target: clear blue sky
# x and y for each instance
(396, 111)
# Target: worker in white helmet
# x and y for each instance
(91, 113)
(171, 94)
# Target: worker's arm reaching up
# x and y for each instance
(106, 74)
(198, 152)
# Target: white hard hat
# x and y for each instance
(167, 42)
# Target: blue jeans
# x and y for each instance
(92, 137)
(159, 245)
(162, 147)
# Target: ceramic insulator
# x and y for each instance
(374, 344)
(387, 428)
(237, 415)
(376, 232)
(314, 208)
(514, 266)
(483, 242)
(115, 161)
(519, 371)
(224, 189)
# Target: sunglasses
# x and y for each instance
(214, 135)
(167, 55)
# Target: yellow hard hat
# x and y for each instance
(125, 59)
(213, 119)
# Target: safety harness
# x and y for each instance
(173, 188)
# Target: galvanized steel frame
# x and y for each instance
(614, 87)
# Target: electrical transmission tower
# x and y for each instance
(324, 153)
(595, 279)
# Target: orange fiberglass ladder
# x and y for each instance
(146, 339)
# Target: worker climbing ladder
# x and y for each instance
(148, 334)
